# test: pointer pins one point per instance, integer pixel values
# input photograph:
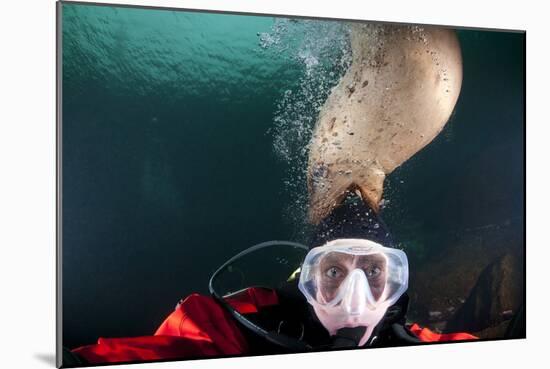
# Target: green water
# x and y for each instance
(184, 142)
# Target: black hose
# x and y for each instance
(403, 334)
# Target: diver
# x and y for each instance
(348, 291)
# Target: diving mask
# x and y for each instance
(352, 282)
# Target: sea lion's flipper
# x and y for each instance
(395, 98)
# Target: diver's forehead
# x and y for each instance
(337, 256)
(361, 249)
(341, 257)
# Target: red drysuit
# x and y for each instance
(200, 327)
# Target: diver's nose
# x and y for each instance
(355, 296)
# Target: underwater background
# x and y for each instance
(184, 141)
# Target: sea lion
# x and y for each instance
(398, 93)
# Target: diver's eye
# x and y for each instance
(334, 272)
(373, 272)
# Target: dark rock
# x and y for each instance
(497, 295)
(497, 331)
(441, 280)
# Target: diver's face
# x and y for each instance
(336, 266)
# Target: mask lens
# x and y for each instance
(375, 268)
(334, 268)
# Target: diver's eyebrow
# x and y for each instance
(371, 259)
